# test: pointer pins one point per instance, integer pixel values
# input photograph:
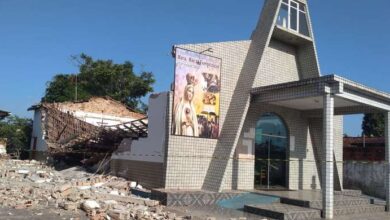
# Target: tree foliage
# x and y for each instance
(101, 78)
(373, 125)
(17, 131)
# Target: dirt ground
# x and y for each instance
(7, 213)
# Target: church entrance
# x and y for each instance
(271, 151)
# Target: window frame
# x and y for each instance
(297, 17)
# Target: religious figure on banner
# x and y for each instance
(212, 82)
(186, 121)
(196, 100)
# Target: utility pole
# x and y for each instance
(76, 62)
(364, 140)
(76, 90)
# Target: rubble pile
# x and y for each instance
(33, 185)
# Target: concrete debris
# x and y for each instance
(89, 205)
(33, 185)
(23, 171)
(133, 184)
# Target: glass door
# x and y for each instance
(271, 153)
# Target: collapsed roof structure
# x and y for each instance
(96, 125)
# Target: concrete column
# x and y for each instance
(387, 150)
(327, 163)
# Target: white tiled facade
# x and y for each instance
(327, 142)
(276, 71)
(387, 156)
(188, 159)
(228, 163)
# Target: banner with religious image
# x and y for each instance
(196, 95)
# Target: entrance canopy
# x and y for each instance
(308, 94)
(327, 96)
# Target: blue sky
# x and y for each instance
(37, 38)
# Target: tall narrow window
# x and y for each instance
(303, 29)
(293, 19)
(283, 16)
(292, 15)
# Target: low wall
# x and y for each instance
(3, 146)
(369, 177)
(148, 174)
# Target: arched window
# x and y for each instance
(271, 149)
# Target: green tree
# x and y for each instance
(373, 125)
(101, 78)
(17, 131)
(62, 88)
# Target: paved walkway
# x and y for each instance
(376, 216)
(309, 195)
(202, 213)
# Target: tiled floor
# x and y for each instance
(201, 213)
(306, 195)
(345, 205)
(284, 207)
(219, 213)
(375, 216)
(284, 211)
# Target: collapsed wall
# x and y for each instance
(3, 149)
(143, 160)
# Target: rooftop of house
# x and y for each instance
(3, 114)
(366, 141)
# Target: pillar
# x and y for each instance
(387, 157)
(327, 158)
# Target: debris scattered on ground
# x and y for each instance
(33, 185)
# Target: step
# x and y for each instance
(349, 192)
(339, 201)
(359, 209)
(283, 211)
(292, 212)
(342, 201)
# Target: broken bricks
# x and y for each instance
(72, 206)
(118, 214)
(32, 185)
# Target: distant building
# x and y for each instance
(366, 149)
(95, 112)
(3, 114)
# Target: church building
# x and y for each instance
(267, 119)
